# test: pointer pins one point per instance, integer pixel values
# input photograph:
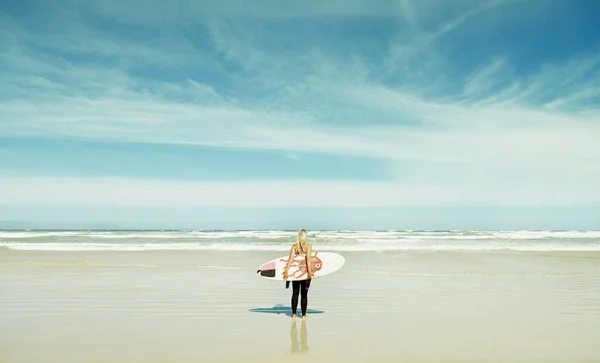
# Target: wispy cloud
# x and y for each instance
(289, 78)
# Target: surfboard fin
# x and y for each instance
(287, 284)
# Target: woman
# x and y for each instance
(300, 248)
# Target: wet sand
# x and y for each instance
(210, 306)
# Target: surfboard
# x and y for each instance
(324, 263)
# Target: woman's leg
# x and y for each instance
(304, 295)
(295, 293)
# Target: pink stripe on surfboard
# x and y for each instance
(268, 266)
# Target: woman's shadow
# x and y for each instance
(287, 310)
(299, 347)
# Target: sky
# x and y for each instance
(453, 114)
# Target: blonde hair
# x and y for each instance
(300, 241)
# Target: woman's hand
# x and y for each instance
(285, 275)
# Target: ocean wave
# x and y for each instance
(145, 234)
(285, 247)
(278, 234)
(322, 240)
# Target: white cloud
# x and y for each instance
(486, 79)
(81, 191)
(157, 12)
(477, 8)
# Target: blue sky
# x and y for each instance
(393, 114)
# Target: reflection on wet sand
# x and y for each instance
(302, 346)
(287, 310)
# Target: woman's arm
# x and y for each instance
(309, 264)
(289, 262)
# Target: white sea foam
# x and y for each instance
(280, 240)
(285, 247)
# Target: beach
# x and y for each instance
(66, 299)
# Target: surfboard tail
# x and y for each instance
(267, 270)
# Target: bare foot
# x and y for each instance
(304, 317)
(294, 317)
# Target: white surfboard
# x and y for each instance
(324, 263)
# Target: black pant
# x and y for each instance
(300, 287)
